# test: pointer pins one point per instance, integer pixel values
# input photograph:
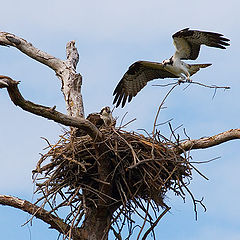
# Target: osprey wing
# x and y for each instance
(136, 78)
(188, 42)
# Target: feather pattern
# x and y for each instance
(136, 78)
(188, 42)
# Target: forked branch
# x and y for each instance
(48, 112)
(65, 70)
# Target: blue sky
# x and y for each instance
(110, 35)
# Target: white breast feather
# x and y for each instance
(182, 48)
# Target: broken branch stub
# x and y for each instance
(72, 82)
(65, 70)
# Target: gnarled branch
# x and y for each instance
(38, 212)
(48, 112)
(65, 70)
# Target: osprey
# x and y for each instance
(187, 43)
(102, 119)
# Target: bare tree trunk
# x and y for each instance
(96, 223)
(97, 219)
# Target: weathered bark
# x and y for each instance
(65, 70)
(48, 112)
(97, 218)
(72, 83)
(207, 142)
(38, 212)
(97, 223)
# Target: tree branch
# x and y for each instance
(8, 39)
(65, 70)
(207, 142)
(38, 212)
(47, 112)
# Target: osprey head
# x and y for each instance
(106, 116)
(105, 111)
(168, 61)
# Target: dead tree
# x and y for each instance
(103, 173)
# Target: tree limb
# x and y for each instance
(38, 212)
(47, 112)
(207, 142)
(8, 39)
(65, 70)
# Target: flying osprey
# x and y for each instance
(187, 43)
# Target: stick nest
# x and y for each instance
(134, 167)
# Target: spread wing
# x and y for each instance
(188, 42)
(136, 78)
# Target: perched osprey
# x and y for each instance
(187, 43)
(102, 119)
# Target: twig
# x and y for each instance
(135, 158)
(156, 117)
(144, 221)
(128, 123)
(194, 200)
(206, 161)
(72, 224)
(211, 86)
(123, 118)
(185, 132)
(168, 121)
(117, 235)
(160, 106)
(155, 223)
(189, 83)
(198, 171)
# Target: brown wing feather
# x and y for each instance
(136, 78)
(188, 42)
(193, 68)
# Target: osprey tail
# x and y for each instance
(193, 68)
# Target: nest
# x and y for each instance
(137, 168)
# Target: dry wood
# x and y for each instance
(38, 212)
(104, 177)
(48, 112)
(65, 70)
(207, 142)
(109, 177)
